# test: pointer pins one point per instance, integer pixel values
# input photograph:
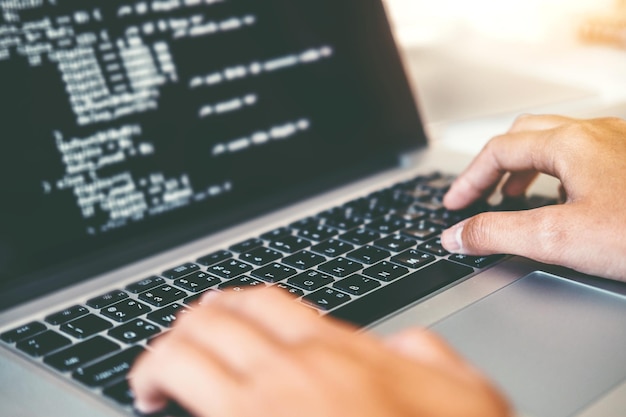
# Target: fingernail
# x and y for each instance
(145, 410)
(451, 239)
(208, 297)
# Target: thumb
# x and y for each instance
(530, 233)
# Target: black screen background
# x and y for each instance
(361, 110)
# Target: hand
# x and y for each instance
(225, 359)
(587, 232)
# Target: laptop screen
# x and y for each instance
(130, 125)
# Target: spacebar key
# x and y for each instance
(401, 293)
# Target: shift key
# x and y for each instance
(109, 370)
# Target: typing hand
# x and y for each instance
(587, 232)
(226, 358)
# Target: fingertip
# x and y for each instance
(149, 409)
(146, 403)
(208, 297)
(455, 198)
(452, 238)
(449, 200)
(423, 345)
(147, 400)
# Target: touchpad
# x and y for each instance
(552, 345)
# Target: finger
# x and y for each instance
(526, 122)
(423, 346)
(238, 342)
(534, 233)
(281, 316)
(518, 183)
(521, 151)
(177, 370)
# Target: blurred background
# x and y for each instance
(476, 64)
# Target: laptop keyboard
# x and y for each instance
(358, 262)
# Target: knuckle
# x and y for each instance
(552, 234)
(575, 135)
(520, 122)
(493, 142)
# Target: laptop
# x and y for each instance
(155, 150)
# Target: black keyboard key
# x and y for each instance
(441, 183)
(192, 299)
(373, 211)
(476, 261)
(108, 370)
(85, 326)
(107, 299)
(162, 296)
(340, 267)
(134, 331)
(214, 258)
(43, 343)
(401, 293)
(230, 269)
(66, 315)
(395, 243)
(411, 215)
(145, 285)
(445, 218)
(368, 255)
(22, 332)
(317, 233)
(120, 392)
(246, 245)
(413, 258)
(385, 271)
(432, 205)
(357, 284)
(311, 280)
(333, 212)
(241, 284)
(196, 282)
(290, 244)
(326, 299)
(274, 272)
(168, 315)
(78, 355)
(293, 291)
(434, 247)
(304, 260)
(344, 222)
(359, 236)
(260, 256)
(387, 224)
(125, 310)
(181, 271)
(276, 234)
(332, 248)
(422, 230)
